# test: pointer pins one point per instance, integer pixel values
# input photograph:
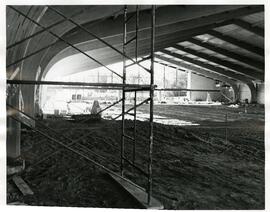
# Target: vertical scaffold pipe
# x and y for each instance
(137, 29)
(123, 92)
(134, 127)
(151, 105)
(135, 93)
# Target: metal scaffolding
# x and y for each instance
(150, 88)
(135, 88)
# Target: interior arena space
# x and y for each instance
(136, 106)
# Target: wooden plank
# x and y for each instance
(14, 170)
(22, 186)
(139, 194)
(16, 203)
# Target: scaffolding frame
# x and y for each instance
(124, 86)
(151, 88)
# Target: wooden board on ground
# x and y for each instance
(14, 170)
(22, 186)
(16, 203)
(138, 193)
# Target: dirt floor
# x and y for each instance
(194, 167)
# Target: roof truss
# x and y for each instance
(238, 68)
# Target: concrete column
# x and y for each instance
(260, 88)
(247, 90)
(13, 127)
(236, 93)
(36, 94)
(253, 92)
(189, 85)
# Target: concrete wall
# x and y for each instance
(198, 82)
(244, 92)
(260, 93)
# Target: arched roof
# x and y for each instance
(221, 41)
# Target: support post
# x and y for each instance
(151, 105)
(226, 127)
(123, 93)
(13, 130)
(134, 127)
(137, 29)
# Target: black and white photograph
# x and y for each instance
(135, 106)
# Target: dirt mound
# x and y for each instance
(189, 172)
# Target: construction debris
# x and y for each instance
(22, 186)
(14, 170)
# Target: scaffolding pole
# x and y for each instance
(186, 89)
(37, 82)
(123, 93)
(151, 121)
(134, 128)
(151, 87)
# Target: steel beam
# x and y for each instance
(249, 61)
(185, 89)
(249, 27)
(242, 44)
(168, 64)
(215, 69)
(238, 68)
(156, 89)
(116, 85)
(195, 69)
(85, 88)
(179, 69)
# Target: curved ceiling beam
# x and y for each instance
(168, 39)
(215, 69)
(242, 44)
(241, 58)
(249, 27)
(169, 19)
(183, 18)
(252, 73)
(197, 70)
